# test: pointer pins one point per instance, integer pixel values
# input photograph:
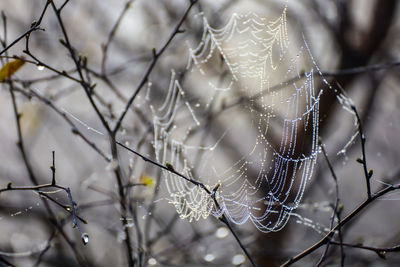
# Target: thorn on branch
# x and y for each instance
(91, 88)
(216, 188)
(33, 24)
(84, 60)
(360, 161)
(214, 191)
(339, 208)
(75, 130)
(169, 166)
(62, 41)
(53, 169)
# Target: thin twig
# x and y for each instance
(139, 236)
(363, 160)
(378, 250)
(367, 174)
(65, 116)
(336, 209)
(20, 142)
(84, 236)
(48, 245)
(6, 262)
(222, 218)
(34, 27)
(122, 198)
(166, 167)
(77, 60)
(156, 56)
(111, 36)
(348, 218)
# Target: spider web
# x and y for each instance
(223, 124)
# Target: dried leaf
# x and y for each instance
(10, 68)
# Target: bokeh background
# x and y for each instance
(342, 35)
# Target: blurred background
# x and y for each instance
(343, 36)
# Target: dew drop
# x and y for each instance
(129, 225)
(209, 257)
(85, 238)
(238, 259)
(222, 232)
(40, 67)
(152, 261)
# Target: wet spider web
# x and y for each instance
(243, 120)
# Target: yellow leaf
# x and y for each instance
(10, 68)
(147, 180)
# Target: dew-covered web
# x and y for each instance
(243, 121)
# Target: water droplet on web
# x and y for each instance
(40, 67)
(131, 161)
(85, 238)
(209, 257)
(16, 214)
(171, 125)
(147, 97)
(129, 225)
